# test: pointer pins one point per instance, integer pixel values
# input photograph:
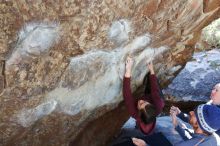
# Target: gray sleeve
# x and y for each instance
(191, 142)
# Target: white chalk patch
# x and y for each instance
(34, 39)
(27, 117)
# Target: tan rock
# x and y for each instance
(82, 69)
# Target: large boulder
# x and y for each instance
(62, 62)
(211, 34)
(196, 81)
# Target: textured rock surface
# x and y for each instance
(62, 61)
(197, 79)
(211, 33)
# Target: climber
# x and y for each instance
(145, 110)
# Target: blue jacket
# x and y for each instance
(185, 117)
(193, 139)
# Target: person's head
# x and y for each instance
(193, 120)
(205, 118)
(215, 94)
(147, 111)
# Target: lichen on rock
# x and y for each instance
(211, 33)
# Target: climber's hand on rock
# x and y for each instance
(150, 67)
(128, 66)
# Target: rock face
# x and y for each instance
(196, 80)
(211, 33)
(62, 63)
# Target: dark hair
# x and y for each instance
(148, 114)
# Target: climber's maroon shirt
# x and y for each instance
(131, 104)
